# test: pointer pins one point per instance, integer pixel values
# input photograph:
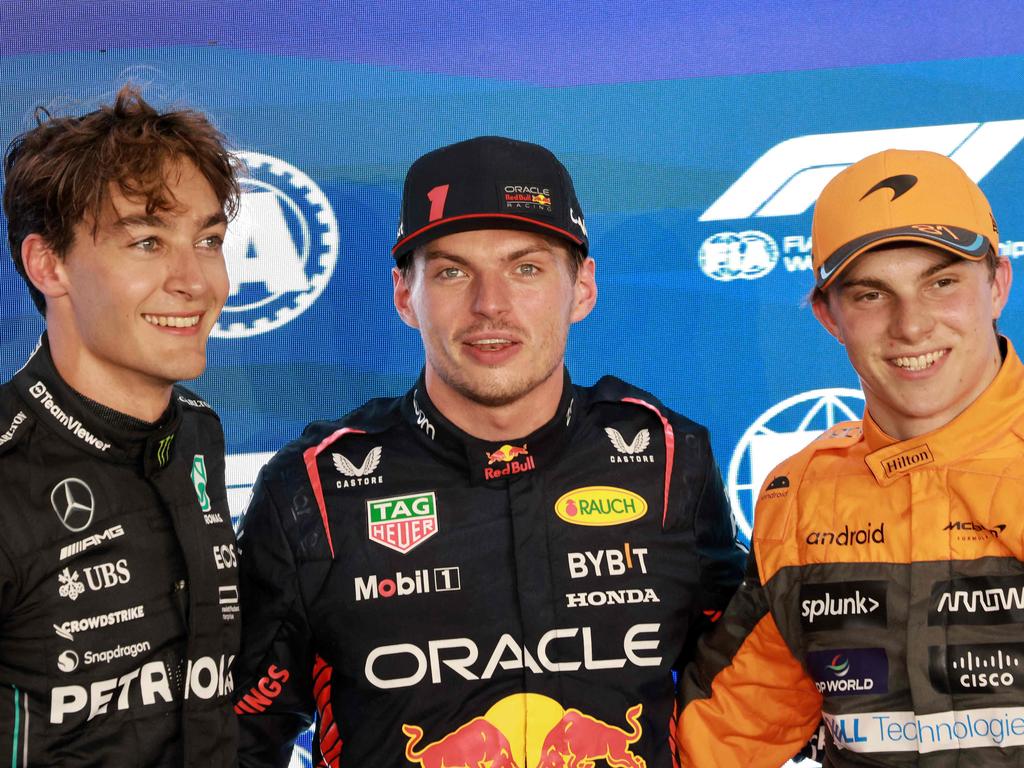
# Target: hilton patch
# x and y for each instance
(910, 458)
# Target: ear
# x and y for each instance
(1001, 287)
(403, 298)
(823, 311)
(585, 290)
(43, 266)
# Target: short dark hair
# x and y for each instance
(59, 173)
(576, 258)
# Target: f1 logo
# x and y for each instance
(788, 178)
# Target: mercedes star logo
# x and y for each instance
(73, 502)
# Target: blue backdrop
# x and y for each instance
(698, 135)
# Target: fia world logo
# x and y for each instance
(778, 433)
(280, 249)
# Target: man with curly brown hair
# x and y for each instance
(118, 589)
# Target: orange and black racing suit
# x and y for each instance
(885, 593)
(443, 600)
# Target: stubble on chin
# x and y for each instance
(493, 388)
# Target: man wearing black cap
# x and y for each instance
(885, 592)
(499, 568)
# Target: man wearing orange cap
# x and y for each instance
(885, 588)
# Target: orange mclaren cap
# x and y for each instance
(899, 196)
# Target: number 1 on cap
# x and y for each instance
(437, 196)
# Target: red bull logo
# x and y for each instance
(475, 744)
(544, 735)
(542, 199)
(579, 739)
(508, 455)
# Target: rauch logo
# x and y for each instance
(600, 505)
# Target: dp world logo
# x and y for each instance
(738, 255)
(776, 435)
(280, 249)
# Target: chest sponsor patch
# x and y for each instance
(917, 456)
(600, 505)
(979, 601)
(402, 522)
(978, 668)
(909, 732)
(849, 671)
(843, 605)
(199, 478)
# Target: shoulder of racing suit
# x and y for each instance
(776, 517)
(16, 421)
(190, 401)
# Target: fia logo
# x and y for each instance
(728, 256)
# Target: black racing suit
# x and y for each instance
(443, 600)
(118, 582)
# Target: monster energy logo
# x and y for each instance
(199, 481)
(163, 450)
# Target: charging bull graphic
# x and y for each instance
(578, 740)
(477, 744)
(506, 453)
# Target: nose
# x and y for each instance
(186, 274)
(490, 295)
(911, 320)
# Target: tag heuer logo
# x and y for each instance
(199, 481)
(402, 522)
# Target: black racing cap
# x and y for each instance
(489, 182)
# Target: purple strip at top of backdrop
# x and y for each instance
(547, 42)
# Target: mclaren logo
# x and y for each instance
(788, 178)
(899, 185)
(73, 502)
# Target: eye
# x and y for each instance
(945, 282)
(450, 273)
(147, 244)
(213, 242)
(527, 269)
(869, 296)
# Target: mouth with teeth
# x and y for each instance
(491, 345)
(919, 362)
(172, 321)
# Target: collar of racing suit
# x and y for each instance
(488, 461)
(57, 405)
(991, 416)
